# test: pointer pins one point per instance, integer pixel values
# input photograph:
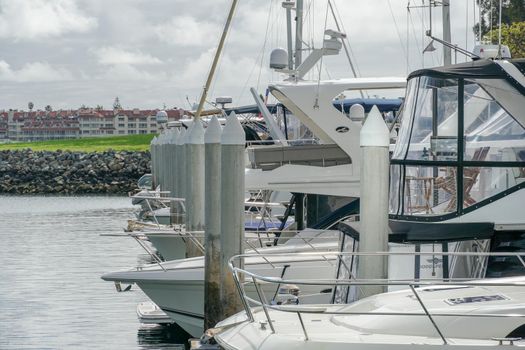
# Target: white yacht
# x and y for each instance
(462, 127)
(177, 286)
(477, 314)
(328, 168)
(319, 174)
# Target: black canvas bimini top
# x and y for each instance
(480, 69)
(475, 69)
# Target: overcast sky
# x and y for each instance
(154, 52)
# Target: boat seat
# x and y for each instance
(470, 177)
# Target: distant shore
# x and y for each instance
(90, 144)
(68, 172)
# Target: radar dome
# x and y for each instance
(162, 117)
(279, 59)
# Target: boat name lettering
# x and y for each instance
(476, 299)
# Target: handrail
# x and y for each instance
(172, 199)
(158, 261)
(413, 285)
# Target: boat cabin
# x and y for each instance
(461, 144)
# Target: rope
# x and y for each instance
(397, 29)
(264, 44)
(316, 104)
(418, 46)
(466, 26)
(353, 62)
(260, 56)
(408, 38)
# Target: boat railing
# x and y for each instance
(309, 242)
(255, 243)
(162, 199)
(252, 243)
(139, 238)
(243, 278)
(309, 141)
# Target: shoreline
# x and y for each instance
(71, 173)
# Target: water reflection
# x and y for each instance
(162, 337)
(51, 294)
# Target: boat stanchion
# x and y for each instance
(233, 140)
(194, 185)
(212, 223)
(373, 237)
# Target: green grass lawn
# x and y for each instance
(94, 144)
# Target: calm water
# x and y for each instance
(51, 260)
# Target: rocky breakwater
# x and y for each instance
(64, 172)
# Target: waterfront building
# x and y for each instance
(40, 125)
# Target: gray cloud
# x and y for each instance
(37, 19)
(72, 52)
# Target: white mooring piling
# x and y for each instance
(162, 161)
(233, 140)
(195, 186)
(172, 187)
(166, 160)
(157, 156)
(153, 160)
(373, 236)
(212, 227)
(181, 175)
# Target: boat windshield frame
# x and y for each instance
(454, 158)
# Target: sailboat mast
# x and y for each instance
(447, 37)
(216, 59)
(298, 33)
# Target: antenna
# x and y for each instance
(499, 31)
(447, 57)
(344, 45)
(298, 33)
(430, 15)
(479, 22)
(288, 5)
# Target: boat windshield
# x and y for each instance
(453, 135)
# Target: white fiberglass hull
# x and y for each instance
(179, 291)
(171, 245)
(467, 317)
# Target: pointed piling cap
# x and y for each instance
(213, 131)
(154, 140)
(182, 136)
(160, 139)
(174, 136)
(187, 134)
(233, 133)
(196, 136)
(374, 132)
(165, 137)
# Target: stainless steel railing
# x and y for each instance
(243, 277)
